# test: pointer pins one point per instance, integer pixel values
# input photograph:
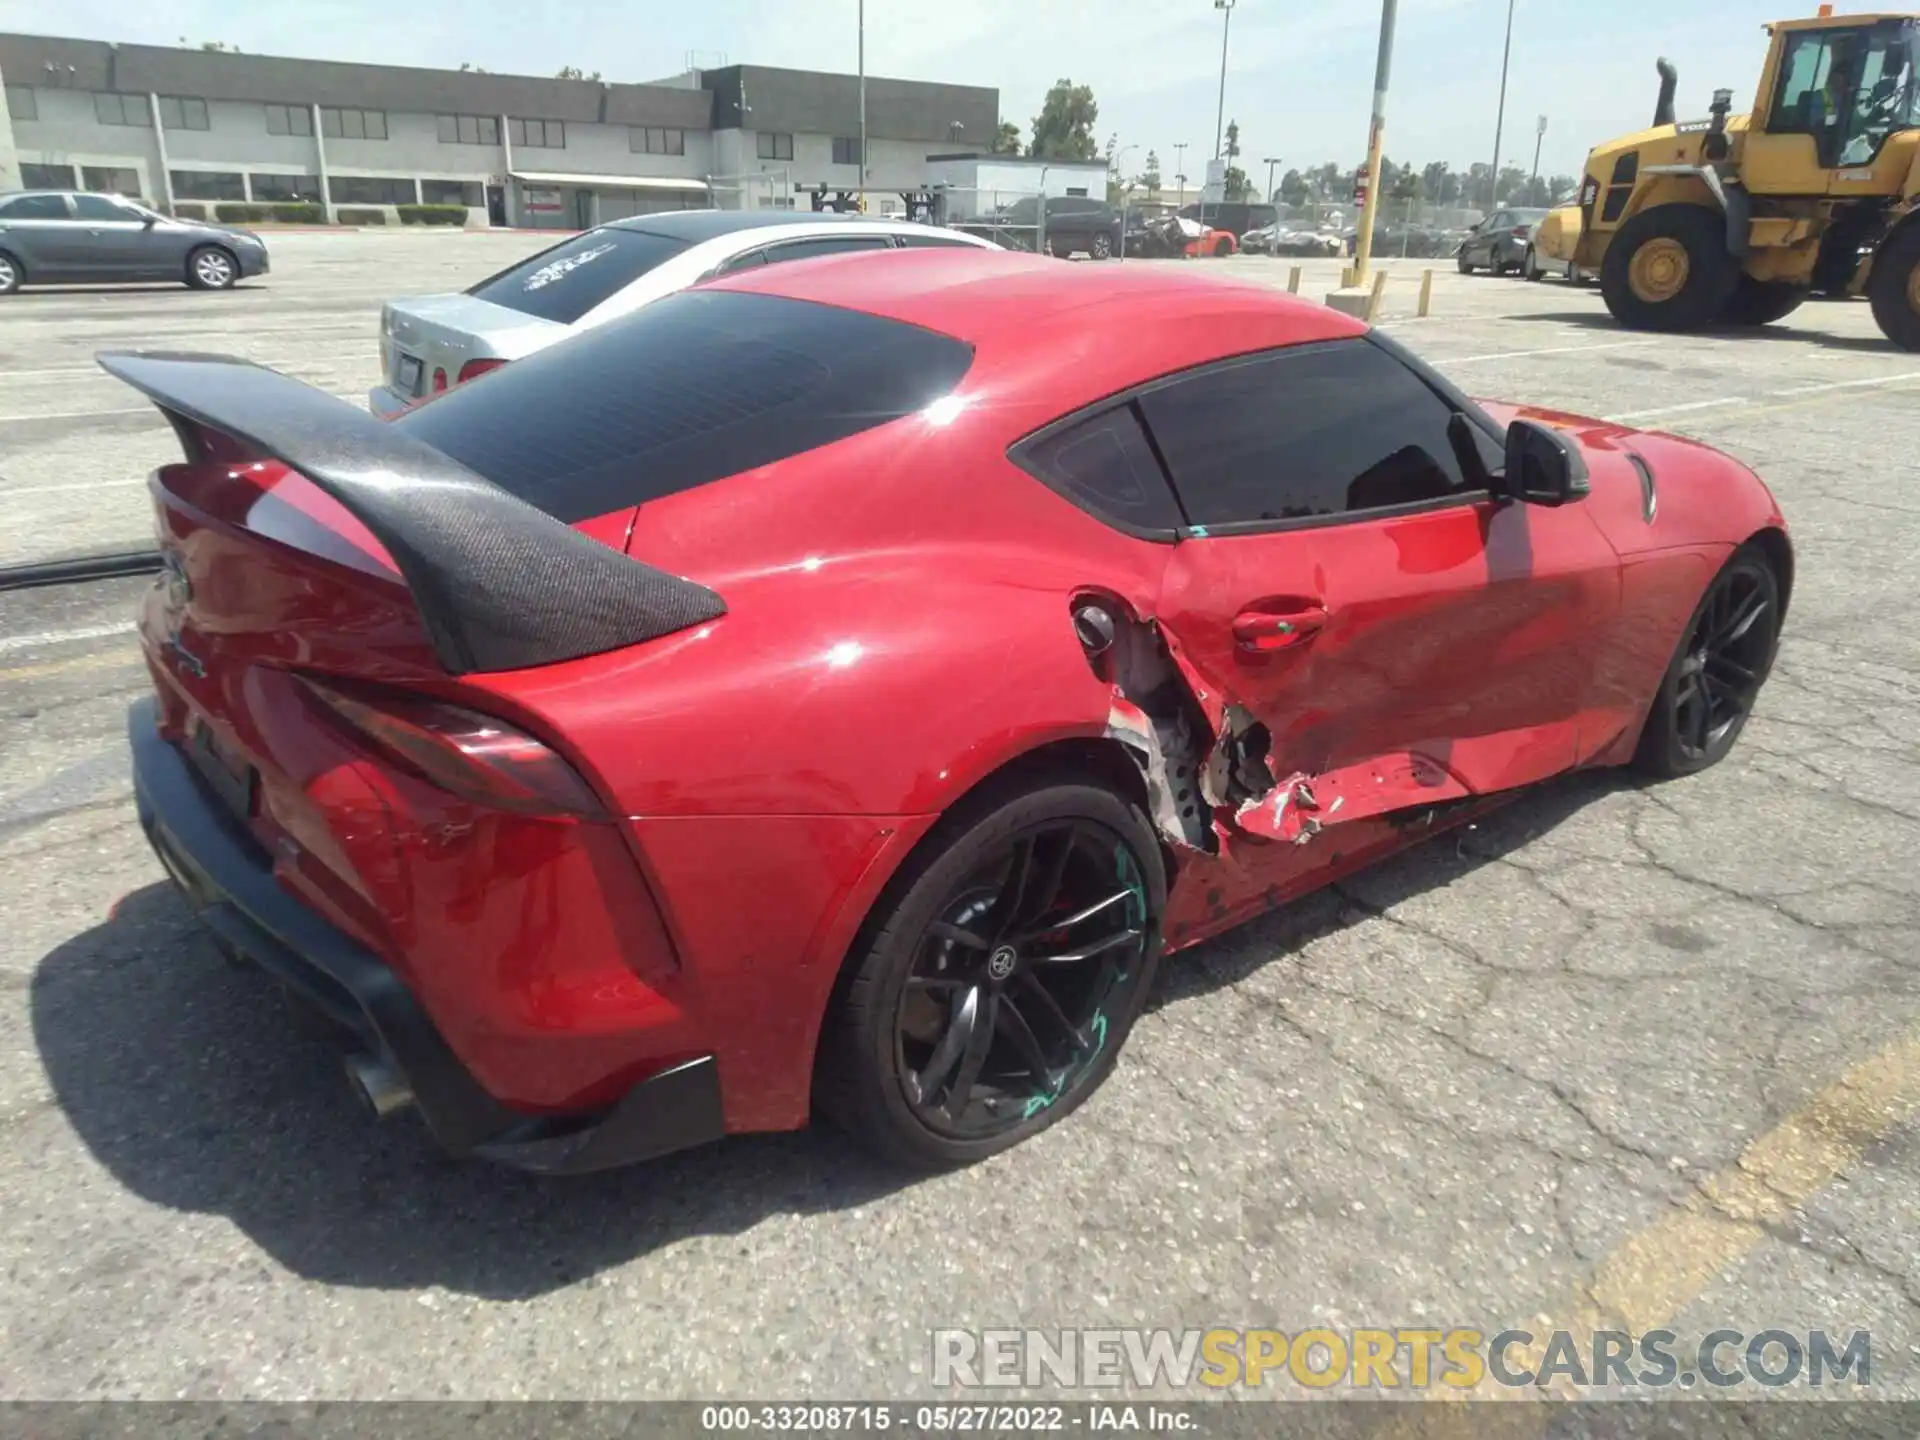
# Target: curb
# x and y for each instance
(79, 569)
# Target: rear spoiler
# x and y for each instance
(500, 585)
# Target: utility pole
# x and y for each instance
(1272, 160)
(1500, 118)
(1539, 138)
(1180, 169)
(863, 106)
(1382, 69)
(1225, 7)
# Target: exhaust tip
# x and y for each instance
(378, 1085)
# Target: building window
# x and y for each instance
(208, 184)
(771, 146)
(107, 179)
(845, 151)
(468, 129)
(373, 190)
(45, 177)
(1079, 192)
(21, 104)
(451, 192)
(652, 140)
(289, 120)
(179, 112)
(112, 109)
(353, 124)
(285, 189)
(538, 134)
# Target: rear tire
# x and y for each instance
(11, 273)
(1530, 267)
(1669, 269)
(1761, 302)
(1101, 246)
(1715, 676)
(212, 267)
(882, 1058)
(1222, 249)
(1895, 288)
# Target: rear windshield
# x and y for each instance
(697, 386)
(564, 283)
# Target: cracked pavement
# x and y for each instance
(1583, 1058)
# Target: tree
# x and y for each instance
(472, 69)
(1561, 188)
(1439, 184)
(574, 72)
(1006, 140)
(1150, 177)
(1477, 193)
(1063, 130)
(1406, 185)
(1326, 181)
(1233, 141)
(1293, 188)
(1513, 185)
(215, 47)
(1236, 185)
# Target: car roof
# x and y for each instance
(978, 295)
(694, 226)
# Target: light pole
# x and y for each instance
(1539, 138)
(1114, 164)
(1382, 69)
(863, 106)
(1271, 161)
(1500, 118)
(1225, 7)
(1180, 168)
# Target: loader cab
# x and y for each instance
(1831, 97)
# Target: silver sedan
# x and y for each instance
(431, 343)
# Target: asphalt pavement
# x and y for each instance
(1643, 1053)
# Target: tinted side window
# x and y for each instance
(564, 283)
(694, 387)
(1106, 465)
(824, 245)
(1314, 430)
(98, 207)
(35, 207)
(945, 242)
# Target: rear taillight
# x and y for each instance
(439, 380)
(473, 369)
(474, 756)
(1520, 231)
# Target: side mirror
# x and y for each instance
(1543, 466)
(149, 221)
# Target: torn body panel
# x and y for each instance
(1301, 806)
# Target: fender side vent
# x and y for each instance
(1649, 494)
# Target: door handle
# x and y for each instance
(1264, 631)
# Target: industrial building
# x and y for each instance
(174, 126)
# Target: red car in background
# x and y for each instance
(829, 691)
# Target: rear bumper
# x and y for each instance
(387, 402)
(230, 883)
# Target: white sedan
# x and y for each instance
(430, 343)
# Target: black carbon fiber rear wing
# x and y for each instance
(500, 584)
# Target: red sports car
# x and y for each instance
(830, 690)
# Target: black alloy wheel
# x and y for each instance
(998, 980)
(1714, 680)
(1009, 1001)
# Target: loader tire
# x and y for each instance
(1895, 288)
(1669, 269)
(1761, 302)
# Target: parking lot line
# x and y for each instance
(1548, 350)
(1679, 409)
(78, 414)
(11, 494)
(1850, 384)
(11, 643)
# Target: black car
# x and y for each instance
(1235, 216)
(1075, 224)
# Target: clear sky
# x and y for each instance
(1299, 73)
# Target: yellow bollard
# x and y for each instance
(1373, 300)
(1293, 281)
(1426, 292)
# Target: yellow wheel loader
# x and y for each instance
(1737, 219)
